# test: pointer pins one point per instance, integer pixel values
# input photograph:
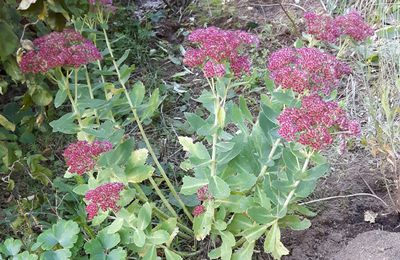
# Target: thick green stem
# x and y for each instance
(89, 84)
(215, 127)
(144, 136)
(72, 101)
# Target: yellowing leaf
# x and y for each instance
(6, 124)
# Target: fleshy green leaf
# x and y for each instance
(260, 215)
(171, 255)
(245, 252)
(295, 223)
(197, 150)
(63, 233)
(137, 93)
(60, 254)
(11, 247)
(191, 185)
(139, 237)
(202, 223)
(102, 243)
(117, 254)
(273, 244)
(144, 216)
(158, 237)
(151, 253)
(65, 124)
(136, 171)
(219, 188)
(115, 226)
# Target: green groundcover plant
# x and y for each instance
(245, 171)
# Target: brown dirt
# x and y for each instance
(372, 245)
(340, 220)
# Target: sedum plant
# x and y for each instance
(247, 170)
(249, 175)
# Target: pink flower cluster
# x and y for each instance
(329, 29)
(203, 194)
(312, 123)
(58, 49)
(218, 47)
(306, 69)
(80, 156)
(198, 210)
(103, 197)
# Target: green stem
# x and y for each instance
(291, 194)
(76, 85)
(163, 199)
(158, 212)
(145, 139)
(105, 90)
(71, 99)
(215, 134)
(89, 84)
(270, 155)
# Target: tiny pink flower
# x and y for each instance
(198, 210)
(81, 155)
(103, 197)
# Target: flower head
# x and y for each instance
(323, 27)
(313, 122)
(354, 26)
(329, 29)
(203, 194)
(81, 155)
(103, 197)
(57, 49)
(198, 210)
(217, 47)
(306, 69)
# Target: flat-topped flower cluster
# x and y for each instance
(103, 197)
(81, 155)
(219, 48)
(312, 122)
(306, 70)
(329, 29)
(59, 49)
